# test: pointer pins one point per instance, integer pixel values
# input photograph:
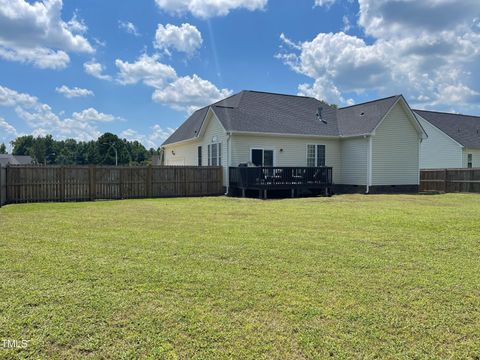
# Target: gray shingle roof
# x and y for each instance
(464, 129)
(363, 118)
(6, 159)
(254, 111)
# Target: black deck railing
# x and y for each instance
(279, 177)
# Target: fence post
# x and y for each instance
(91, 182)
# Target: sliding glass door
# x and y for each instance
(262, 157)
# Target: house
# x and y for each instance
(370, 147)
(7, 159)
(453, 140)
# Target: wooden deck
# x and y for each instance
(263, 179)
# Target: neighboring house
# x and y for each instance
(371, 146)
(6, 159)
(453, 140)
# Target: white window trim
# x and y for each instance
(315, 144)
(219, 154)
(263, 149)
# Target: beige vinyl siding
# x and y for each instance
(294, 150)
(438, 150)
(188, 152)
(354, 161)
(184, 154)
(475, 157)
(395, 150)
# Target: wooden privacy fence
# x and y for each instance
(3, 187)
(29, 183)
(450, 180)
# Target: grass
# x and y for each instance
(344, 277)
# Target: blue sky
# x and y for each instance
(78, 68)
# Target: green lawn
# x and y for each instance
(344, 277)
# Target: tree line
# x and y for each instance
(106, 150)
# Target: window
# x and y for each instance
(199, 154)
(469, 160)
(315, 155)
(261, 157)
(215, 154)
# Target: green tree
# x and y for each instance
(3, 148)
(22, 144)
(47, 150)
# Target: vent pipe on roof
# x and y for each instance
(319, 115)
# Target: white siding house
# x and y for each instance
(439, 150)
(453, 140)
(395, 148)
(474, 155)
(368, 146)
(354, 161)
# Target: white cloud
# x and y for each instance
(35, 33)
(10, 98)
(6, 127)
(42, 119)
(154, 139)
(96, 69)
(73, 92)
(77, 25)
(326, 3)
(209, 8)
(92, 114)
(346, 24)
(42, 58)
(324, 89)
(189, 93)
(432, 59)
(185, 38)
(128, 27)
(145, 69)
(180, 93)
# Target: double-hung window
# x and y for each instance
(215, 154)
(470, 160)
(315, 155)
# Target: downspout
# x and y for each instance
(228, 163)
(420, 140)
(369, 165)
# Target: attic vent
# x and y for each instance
(319, 115)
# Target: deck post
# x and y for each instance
(265, 194)
(293, 192)
(243, 192)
